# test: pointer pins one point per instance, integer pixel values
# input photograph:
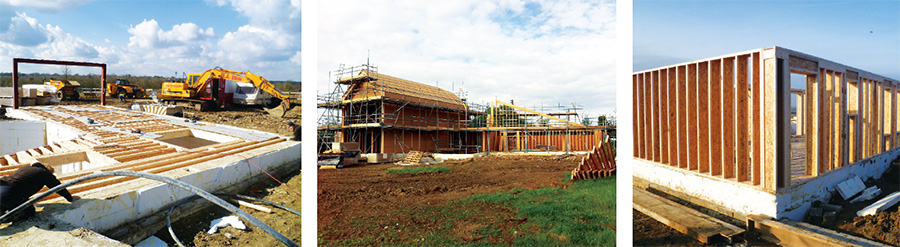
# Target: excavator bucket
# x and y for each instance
(279, 110)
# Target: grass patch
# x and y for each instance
(417, 170)
(583, 214)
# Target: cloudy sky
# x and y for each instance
(154, 37)
(861, 34)
(550, 52)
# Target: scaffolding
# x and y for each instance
(387, 114)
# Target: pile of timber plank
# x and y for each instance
(599, 163)
(413, 157)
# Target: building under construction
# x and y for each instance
(718, 133)
(390, 115)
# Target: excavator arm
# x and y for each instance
(268, 87)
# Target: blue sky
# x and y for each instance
(532, 51)
(154, 37)
(861, 34)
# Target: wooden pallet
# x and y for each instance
(413, 157)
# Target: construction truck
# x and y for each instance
(65, 89)
(215, 88)
(122, 86)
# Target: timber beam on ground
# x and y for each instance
(683, 219)
(790, 233)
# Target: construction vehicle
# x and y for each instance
(65, 89)
(122, 86)
(215, 88)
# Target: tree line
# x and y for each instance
(93, 80)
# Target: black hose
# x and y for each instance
(206, 195)
(169, 214)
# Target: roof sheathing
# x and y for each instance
(370, 84)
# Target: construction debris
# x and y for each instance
(226, 221)
(867, 194)
(850, 187)
(880, 205)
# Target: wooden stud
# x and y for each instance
(758, 111)
(682, 117)
(715, 117)
(649, 146)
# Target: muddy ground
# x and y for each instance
(366, 203)
(239, 116)
(883, 227)
(191, 230)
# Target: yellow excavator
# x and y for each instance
(214, 88)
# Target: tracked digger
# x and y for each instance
(214, 88)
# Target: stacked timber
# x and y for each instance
(599, 163)
(413, 157)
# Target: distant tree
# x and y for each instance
(586, 121)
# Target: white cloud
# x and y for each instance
(25, 31)
(66, 46)
(277, 14)
(148, 34)
(535, 52)
(268, 44)
(296, 58)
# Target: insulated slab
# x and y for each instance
(227, 130)
(850, 187)
(681, 218)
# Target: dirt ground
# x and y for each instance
(365, 202)
(192, 230)
(239, 116)
(884, 226)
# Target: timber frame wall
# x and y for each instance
(729, 117)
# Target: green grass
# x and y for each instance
(417, 170)
(582, 214)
